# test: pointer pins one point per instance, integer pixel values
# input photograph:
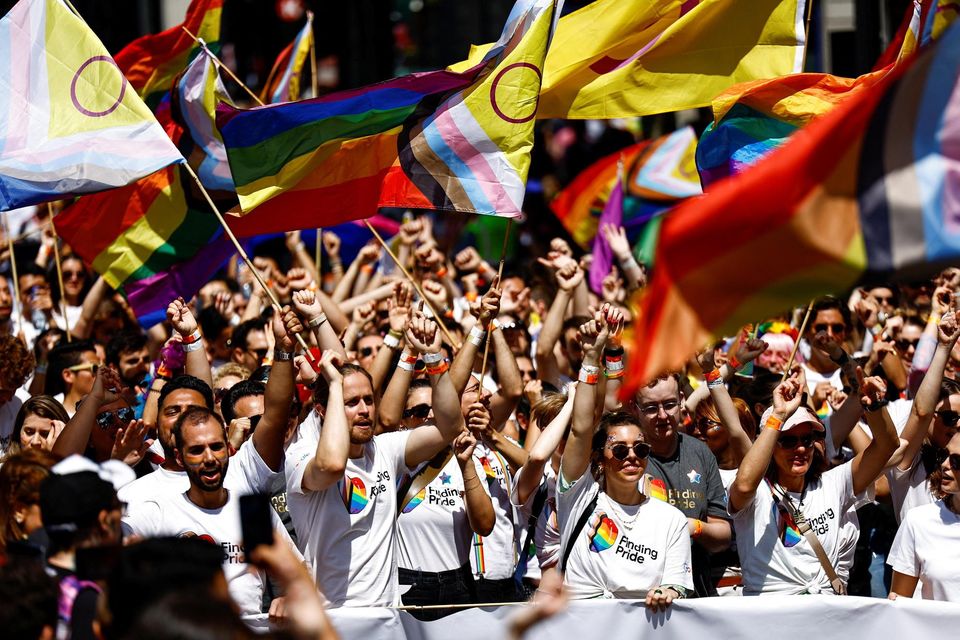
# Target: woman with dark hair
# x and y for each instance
(924, 550)
(37, 425)
(614, 540)
(787, 510)
(20, 479)
(76, 284)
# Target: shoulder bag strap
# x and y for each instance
(576, 531)
(800, 520)
(422, 478)
(539, 500)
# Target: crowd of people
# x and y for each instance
(459, 438)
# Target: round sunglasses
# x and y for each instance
(791, 442)
(621, 451)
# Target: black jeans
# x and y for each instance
(504, 590)
(446, 587)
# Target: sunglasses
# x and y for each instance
(69, 275)
(949, 418)
(834, 328)
(706, 424)
(366, 352)
(532, 374)
(654, 408)
(791, 442)
(123, 415)
(420, 412)
(86, 366)
(260, 353)
(952, 459)
(621, 451)
(903, 344)
(882, 299)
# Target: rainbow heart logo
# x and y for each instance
(605, 535)
(354, 494)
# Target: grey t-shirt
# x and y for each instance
(690, 480)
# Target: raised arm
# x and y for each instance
(426, 441)
(477, 501)
(272, 430)
(739, 440)
(181, 317)
(88, 311)
(576, 453)
(620, 247)
(568, 277)
(331, 242)
(925, 402)
(76, 434)
(868, 465)
(786, 399)
(330, 460)
(507, 397)
(550, 438)
(463, 363)
(308, 306)
(746, 352)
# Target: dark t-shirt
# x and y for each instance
(84, 610)
(690, 481)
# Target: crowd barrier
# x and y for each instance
(814, 617)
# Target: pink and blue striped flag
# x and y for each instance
(69, 121)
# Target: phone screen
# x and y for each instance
(255, 521)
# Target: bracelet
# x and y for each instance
(408, 361)
(318, 321)
(438, 369)
(773, 422)
(432, 358)
(876, 405)
(282, 356)
(589, 377)
(477, 335)
(613, 374)
(192, 338)
(192, 346)
(735, 364)
(713, 376)
(697, 529)
(391, 341)
(616, 351)
(715, 384)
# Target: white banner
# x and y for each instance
(764, 618)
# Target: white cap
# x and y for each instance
(802, 415)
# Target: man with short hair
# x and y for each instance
(207, 509)
(127, 352)
(72, 370)
(683, 472)
(248, 344)
(341, 482)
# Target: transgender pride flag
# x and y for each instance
(69, 121)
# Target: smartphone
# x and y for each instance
(255, 522)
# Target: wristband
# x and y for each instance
(438, 369)
(391, 341)
(432, 358)
(697, 529)
(163, 372)
(876, 405)
(773, 422)
(366, 268)
(408, 361)
(714, 384)
(712, 376)
(876, 329)
(613, 351)
(477, 335)
(441, 272)
(266, 362)
(282, 356)
(735, 364)
(317, 322)
(471, 296)
(588, 378)
(192, 346)
(192, 338)
(613, 374)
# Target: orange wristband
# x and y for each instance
(773, 422)
(697, 529)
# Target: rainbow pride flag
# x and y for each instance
(196, 93)
(283, 83)
(153, 240)
(865, 191)
(68, 124)
(438, 140)
(151, 62)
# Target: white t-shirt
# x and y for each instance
(727, 476)
(926, 547)
(176, 515)
(347, 532)
(8, 415)
(246, 473)
(546, 536)
(494, 557)
(909, 489)
(633, 549)
(433, 532)
(775, 557)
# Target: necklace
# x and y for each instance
(624, 519)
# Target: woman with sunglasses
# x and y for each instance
(925, 549)
(782, 488)
(614, 540)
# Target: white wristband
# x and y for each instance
(318, 321)
(193, 346)
(477, 335)
(391, 342)
(432, 358)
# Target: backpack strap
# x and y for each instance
(576, 531)
(539, 500)
(423, 476)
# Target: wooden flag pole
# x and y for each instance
(416, 285)
(315, 87)
(56, 257)
(793, 354)
(16, 278)
(225, 68)
(486, 344)
(275, 303)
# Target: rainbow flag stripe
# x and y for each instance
(153, 61)
(354, 495)
(605, 535)
(283, 83)
(789, 532)
(864, 192)
(656, 488)
(415, 501)
(153, 240)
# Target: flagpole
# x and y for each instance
(56, 257)
(315, 87)
(243, 255)
(225, 68)
(16, 278)
(486, 344)
(806, 36)
(416, 286)
(793, 354)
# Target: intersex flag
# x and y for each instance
(69, 123)
(867, 190)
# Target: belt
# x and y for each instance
(451, 576)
